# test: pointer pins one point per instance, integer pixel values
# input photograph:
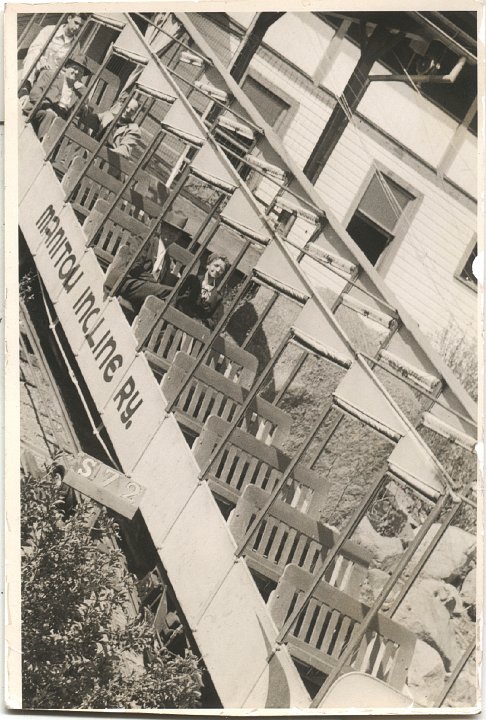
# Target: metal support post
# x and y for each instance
(280, 484)
(261, 319)
(455, 674)
(44, 47)
(351, 526)
(206, 348)
(148, 152)
(79, 103)
(165, 207)
(345, 658)
(176, 287)
(291, 377)
(423, 558)
(332, 429)
(98, 147)
(243, 408)
(205, 223)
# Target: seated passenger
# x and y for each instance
(41, 57)
(151, 272)
(62, 94)
(199, 296)
(124, 135)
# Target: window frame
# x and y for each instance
(285, 121)
(473, 243)
(406, 218)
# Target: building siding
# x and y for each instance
(419, 266)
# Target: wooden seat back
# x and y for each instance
(245, 461)
(107, 234)
(328, 624)
(208, 392)
(176, 331)
(89, 184)
(287, 535)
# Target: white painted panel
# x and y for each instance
(205, 559)
(134, 411)
(408, 117)
(31, 158)
(169, 471)
(246, 683)
(464, 169)
(293, 32)
(80, 308)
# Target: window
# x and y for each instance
(464, 272)
(270, 106)
(376, 219)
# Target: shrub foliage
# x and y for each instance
(80, 649)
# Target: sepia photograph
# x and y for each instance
(244, 258)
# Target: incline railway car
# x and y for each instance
(305, 456)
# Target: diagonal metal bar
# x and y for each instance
(187, 270)
(455, 673)
(243, 408)
(206, 347)
(261, 319)
(44, 47)
(291, 377)
(94, 79)
(345, 658)
(99, 145)
(26, 29)
(154, 225)
(332, 429)
(58, 70)
(423, 558)
(146, 155)
(353, 523)
(280, 484)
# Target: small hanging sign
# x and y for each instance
(104, 484)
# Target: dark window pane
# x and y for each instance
(467, 271)
(384, 202)
(369, 238)
(270, 106)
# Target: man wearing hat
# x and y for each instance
(124, 133)
(151, 272)
(57, 94)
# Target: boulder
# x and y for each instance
(425, 614)
(465, 691)
(385, 550)
(426, 674)
(468, 589)
(452, 558)
(446, 593)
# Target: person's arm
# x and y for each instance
(38, 90)
(126, 144)
(33, 53)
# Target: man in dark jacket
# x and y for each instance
(56, 96)
(150, 273)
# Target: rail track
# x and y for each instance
(46, 428)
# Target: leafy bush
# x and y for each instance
(79, 649)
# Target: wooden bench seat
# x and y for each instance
(245, 461)
(97, 183)
(287, 535)
(208, 392)
(327, 625)
(176, 331)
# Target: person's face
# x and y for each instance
(130, 110)
(73, 73)
(216, 268)
(73, 25)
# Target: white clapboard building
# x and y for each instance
(402, 177)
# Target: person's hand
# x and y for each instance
(78, 85)
(44, 64)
